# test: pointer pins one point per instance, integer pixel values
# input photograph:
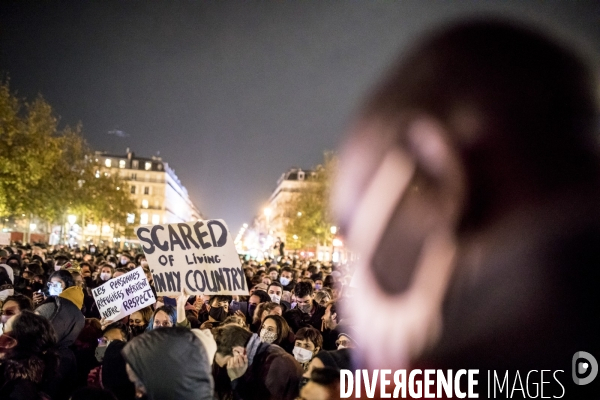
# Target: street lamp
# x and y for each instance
(333, 230)
(72, 219)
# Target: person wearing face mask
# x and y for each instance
(308, 343)
(274, 330)
(287, 278)
(13, 306)
(113, 333)
(307, 312)
(105, 273)
(275, 291)
(64, 313)
(249, 308)
(138, 321)
(217, 310)
(6, 282)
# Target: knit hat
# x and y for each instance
(73, 294)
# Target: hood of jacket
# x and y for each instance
(66, 319)
(73, 294)
(9, 271)
(172, 363)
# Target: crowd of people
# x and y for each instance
(286, 339)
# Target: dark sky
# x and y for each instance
(232, 94)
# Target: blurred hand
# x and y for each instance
(206, 325)
(237, 366)
(181, 302)
(240, 314)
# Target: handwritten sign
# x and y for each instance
(124, 295)
(199, 256)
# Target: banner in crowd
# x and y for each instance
(199, 256)
(124, 295)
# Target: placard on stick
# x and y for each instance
(124, 295)
(199, 256)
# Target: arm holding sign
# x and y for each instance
(182, 320)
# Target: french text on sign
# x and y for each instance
(124, 295)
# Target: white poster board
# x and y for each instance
(199, 256)
(122, 296)
(5, 238)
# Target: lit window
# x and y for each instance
(133, 190)
(144, 218)
(121, 163)
(135, 164)
(146, 189)
(130, 218)
(155, 219)
(148, 166)
(108, 162)
(144, 203)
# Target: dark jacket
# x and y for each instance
(172, 363)
(67, 321)
(19, 379)
(296, 319)
(273, 375)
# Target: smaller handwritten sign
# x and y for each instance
(122, 296)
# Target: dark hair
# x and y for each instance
(229, 336)
(92, 393)
(146, 312)
(169, 310)
(219, 298)
(286, 269)
(123, 270)
(283, 329)
(4, 278)
(275, 283)
(234, 319)
(24, 302)
(303, 289)
(125, 331)
(35, 337)
(312, 269)
(35, 268)
(64, 276)
(273, 269)
(325, 376)
(262, 295)
(310, 333)
(328, 281)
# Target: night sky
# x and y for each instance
(231, 94)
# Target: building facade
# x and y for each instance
(158, 193)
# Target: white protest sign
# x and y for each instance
(5, 238)
(199, 256)
(124, 295)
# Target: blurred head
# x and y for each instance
(274, 329)
(231, 340)
(304, 296)
(309, 342)
(164, 317)
(14, 305)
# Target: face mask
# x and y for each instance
(112, 264)
(318, 286)
(267, 336)
(294, 304)
(137, 330)
(124, 261)
(4, 319)
(284, 281)
(275, 298)
(100, 350)
(105, 276)
(251, 309)
(218, 313)
(305, 308)
(55, 289)
(302, 355)
(341, 346)
(57, 267)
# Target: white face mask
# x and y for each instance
(341, 346)
(55, 288)
(275, 298)
(302, 355)
(267, 336)
(284, 281)
(57, 267)
(105, 276)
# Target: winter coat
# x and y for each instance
(20, 379)
(296, 319)
(67, 321)
(172, 364)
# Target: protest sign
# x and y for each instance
(124, 295)
(5, 238)
(199, 256)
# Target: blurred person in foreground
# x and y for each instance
(469, 187)
(169, 363)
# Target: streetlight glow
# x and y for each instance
(267, 212)
(72, 219)
(333, 230)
